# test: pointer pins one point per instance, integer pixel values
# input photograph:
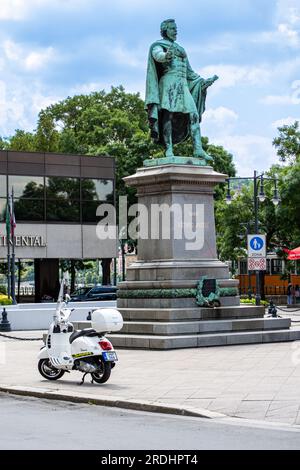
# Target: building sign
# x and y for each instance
(24, 241)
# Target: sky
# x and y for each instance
(51, 49)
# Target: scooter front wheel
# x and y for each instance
(47, 370)
(103, 374)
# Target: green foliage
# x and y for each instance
(253, 302)
(22, 141)
(4, 300)
(288, 143)
(3, 290)
(231, 224)
(157, 293)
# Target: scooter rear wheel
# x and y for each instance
(47, 370)
(102, 376)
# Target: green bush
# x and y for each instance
(4, 300)
(3, 290)
(253, 302)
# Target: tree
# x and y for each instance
(22, 141)
(113, 124)
(71, 266)
(288, 143)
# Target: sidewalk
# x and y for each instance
(257, 382)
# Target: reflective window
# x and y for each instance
(276, 266)
(97, 190)
(89, 210)
(29, 209)
(29, 187)
(62, 188)
(2, 209)
(63, 210)
(2, 185)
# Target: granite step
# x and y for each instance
(187, 314)
(200, 327)
(204, 340)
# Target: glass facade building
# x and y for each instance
(56, 197)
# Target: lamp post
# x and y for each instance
(247, 227)
(258, 196)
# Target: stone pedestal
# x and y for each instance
(173, 263)
(158, 299)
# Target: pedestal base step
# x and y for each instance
(197, 327)
(187, 314)
(204, 327)
(204, 340)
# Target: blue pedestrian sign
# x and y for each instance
(257, 246)
(256, 243)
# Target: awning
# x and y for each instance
(294, 254)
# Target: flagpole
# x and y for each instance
(13, 257)
(8, 242)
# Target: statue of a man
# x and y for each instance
(175, 94)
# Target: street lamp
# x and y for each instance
(258, 181)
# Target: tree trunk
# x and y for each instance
(106, 263)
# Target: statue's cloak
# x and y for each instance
(181, 121)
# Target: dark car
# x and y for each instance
(87, 294)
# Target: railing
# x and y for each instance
(268, 290)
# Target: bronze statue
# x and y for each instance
(175, 94)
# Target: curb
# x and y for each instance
(147, 406)
(150, 407)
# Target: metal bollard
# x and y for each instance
(4, 325)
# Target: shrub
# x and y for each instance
(4, 300)
(253, 302)
(3, 290)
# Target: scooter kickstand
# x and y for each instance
(82, 381)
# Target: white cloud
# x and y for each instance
(284, 122)
(31, 60)
(232, 75)
(221, 120)
(285, 100)
(20, 104)
(16, 10)
(38, 59)
(251, 152)
(125, 57)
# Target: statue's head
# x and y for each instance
(168, 30)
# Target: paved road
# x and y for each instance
(28, 423)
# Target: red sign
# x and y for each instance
(257, 264)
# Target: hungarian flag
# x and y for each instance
(8, 227)
(10, 220)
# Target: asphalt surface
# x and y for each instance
(32, 424)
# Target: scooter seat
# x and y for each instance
(85, 332)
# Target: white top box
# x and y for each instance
(107, 320)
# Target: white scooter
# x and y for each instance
(87, 351)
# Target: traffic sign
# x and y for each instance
(257, 246)
(257, 264)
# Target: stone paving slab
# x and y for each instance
(259, 382)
